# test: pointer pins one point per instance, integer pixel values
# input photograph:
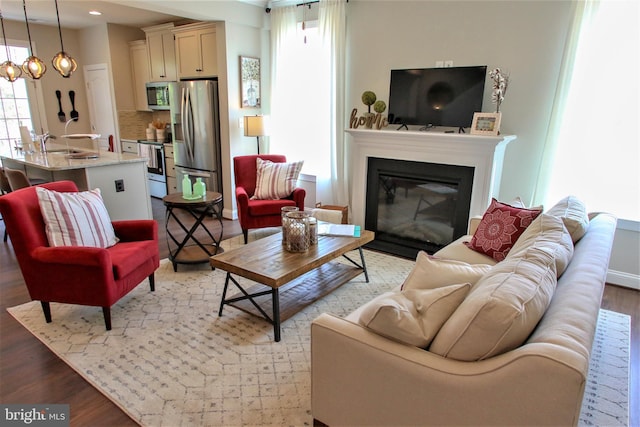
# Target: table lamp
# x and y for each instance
(255, 126)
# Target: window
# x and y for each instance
(16, 99)
(597, 149)
(301, 100)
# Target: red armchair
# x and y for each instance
(259, 213)
(76, 274)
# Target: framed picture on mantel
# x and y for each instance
(485, 124)
(250, 82)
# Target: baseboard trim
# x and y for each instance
(230, 214)
(621, 278)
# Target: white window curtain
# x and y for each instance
(307, 110)
(593, 147)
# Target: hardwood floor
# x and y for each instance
(31, 373)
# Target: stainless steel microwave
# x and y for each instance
(158, 95)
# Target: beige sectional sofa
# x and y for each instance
(363, 377)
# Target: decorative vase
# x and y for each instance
(161, 135)
(199, 188)
(187, 192)
(368, 120)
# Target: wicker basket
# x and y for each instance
(344, 209)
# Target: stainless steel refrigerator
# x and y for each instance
(195, 126)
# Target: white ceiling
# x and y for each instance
(75, 13)
(133, 13)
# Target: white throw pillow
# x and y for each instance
(412, 317)
(431, 272)
(76, 219)
(501, 311)
(275, 180)
(574, 216)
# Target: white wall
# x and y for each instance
(119, 37)
(524, 38)
(242, 40)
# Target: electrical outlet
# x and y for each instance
(241, 122)
(448, 63)
(119, 185)
(439, 64)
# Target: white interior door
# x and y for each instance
(100, 100)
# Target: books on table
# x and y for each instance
(346, 230)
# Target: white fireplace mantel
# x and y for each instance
(484, 153)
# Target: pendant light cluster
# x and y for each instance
(33, 66)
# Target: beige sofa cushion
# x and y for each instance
(458, 250)
(431, 272)
(574, 215)
(412, 317)
(502, 309)
(546, 233)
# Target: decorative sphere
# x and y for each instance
(368, 98)
(379, 107)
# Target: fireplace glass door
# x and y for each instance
(415, 206)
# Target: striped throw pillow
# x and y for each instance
(76, 219)
(275, 180)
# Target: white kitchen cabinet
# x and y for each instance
(130, 146)
(162, 54)
(140, 72)
(196, 50)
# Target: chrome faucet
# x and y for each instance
(66, 125)
(43, 140)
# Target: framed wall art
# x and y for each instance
(485, 124)
(250, 82)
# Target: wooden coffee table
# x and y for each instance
(288, 281)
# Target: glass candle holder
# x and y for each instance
(313, 231)
(283, 213)
(297, 231)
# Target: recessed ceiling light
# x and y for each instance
(95, 12)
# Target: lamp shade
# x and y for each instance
(255, 126)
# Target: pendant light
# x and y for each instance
(62, 62)
(8, 69)
(32, 66)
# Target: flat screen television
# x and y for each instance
(436, 96)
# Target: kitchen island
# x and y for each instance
(121, 177)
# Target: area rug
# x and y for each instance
(170, 360)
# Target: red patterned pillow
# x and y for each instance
(500, 227)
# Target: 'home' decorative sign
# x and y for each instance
(367, 120)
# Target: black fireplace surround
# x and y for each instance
(414, 206)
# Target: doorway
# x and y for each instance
(100, 101)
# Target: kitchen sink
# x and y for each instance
(64, 151)
(83, 155)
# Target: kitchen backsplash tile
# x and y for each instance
(133, 123)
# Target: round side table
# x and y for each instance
(185, 245)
